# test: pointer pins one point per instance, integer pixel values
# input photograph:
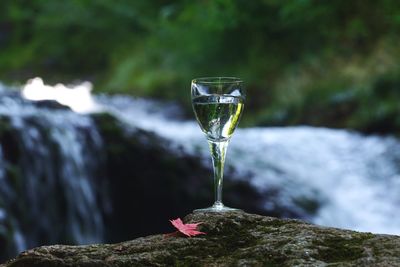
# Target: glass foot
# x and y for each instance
(217, 207)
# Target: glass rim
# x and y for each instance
(217, 80)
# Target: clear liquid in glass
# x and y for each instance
(218, 115)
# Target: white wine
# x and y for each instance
(218, 115)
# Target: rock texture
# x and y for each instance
(233, 239)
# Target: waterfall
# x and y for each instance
(48, 153)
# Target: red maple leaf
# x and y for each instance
(189, 229)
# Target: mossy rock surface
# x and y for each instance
(232, 239)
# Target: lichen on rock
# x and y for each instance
(232, 239)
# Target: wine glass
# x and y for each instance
(218, 104)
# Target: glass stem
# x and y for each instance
(218, 152)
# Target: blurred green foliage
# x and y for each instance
(304, 61)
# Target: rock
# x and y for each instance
(50, 104)
(232, 239)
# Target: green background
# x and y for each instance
(325, 63)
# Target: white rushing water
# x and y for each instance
(55, 150)
(355, 178)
